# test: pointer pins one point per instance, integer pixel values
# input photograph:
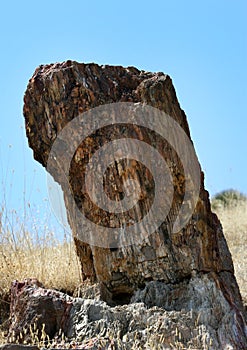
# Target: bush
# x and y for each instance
(228, 198)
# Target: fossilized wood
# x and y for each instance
(55, 95)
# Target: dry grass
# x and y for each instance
(234, 222)
(55, 264)
(38, 255)
(41, 255)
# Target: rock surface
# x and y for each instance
(18, 347)
(138, 325)
(180, 264)
(46, 311)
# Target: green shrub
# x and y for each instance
(228, 198)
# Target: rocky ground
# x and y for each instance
(53, 319)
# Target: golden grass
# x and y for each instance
(52, 262)
(234, 222)
(55, 264)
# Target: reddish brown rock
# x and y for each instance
(55, 96)
(36, 311)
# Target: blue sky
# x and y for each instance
(202, 45)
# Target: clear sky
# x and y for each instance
(202, 45)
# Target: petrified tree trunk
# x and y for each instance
(56, 95)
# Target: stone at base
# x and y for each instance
(184, 316)
(18, 347)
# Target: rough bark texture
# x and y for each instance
(55, 95)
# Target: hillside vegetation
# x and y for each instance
(231, 208)
(55, 263)
(41, 255)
